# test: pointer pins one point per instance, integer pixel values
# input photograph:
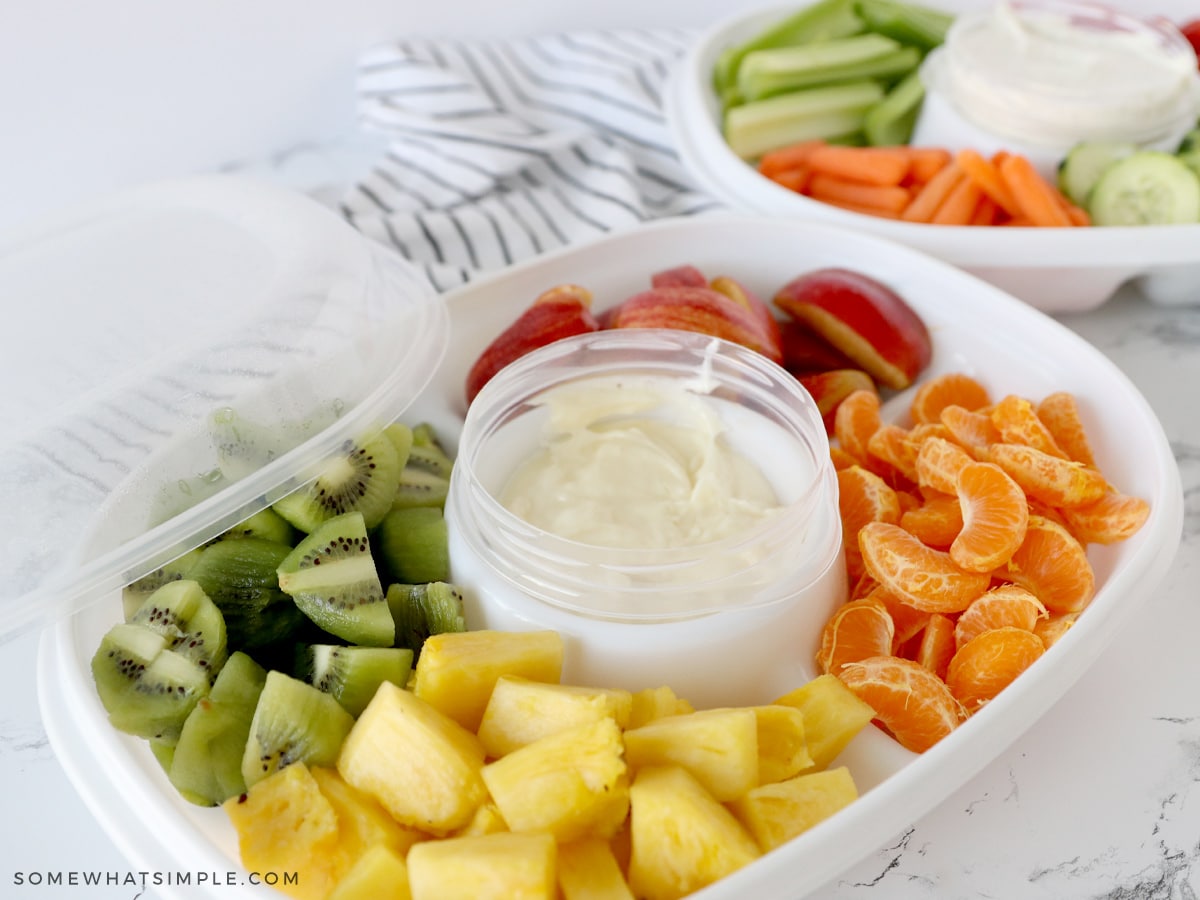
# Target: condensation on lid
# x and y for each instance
(178, 357)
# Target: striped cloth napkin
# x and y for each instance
(500, 150)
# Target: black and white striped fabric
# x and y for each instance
(501, 150)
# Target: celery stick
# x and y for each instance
(822, 21)
(754, 128)
(891, 121)
(768, 72)
(916, 26)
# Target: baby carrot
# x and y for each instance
(930, 197)
(788, 157)
(925, 162)
(862, 210)
(980, 171)
(795, 179)
(870, 165)
(1035, 198)
(886, 198)
(985, 212)
(959, 205)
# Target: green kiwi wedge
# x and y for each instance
(240, 577)
(362, 478)
(352, 674)
(293, 722)
(265, 524)
(147, 689)
(206, 766)
(331, 575)
(424, 609)
(419, 487)
(137, 591)
(413, 545)
(401, 437)
(191, 623)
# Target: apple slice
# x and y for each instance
(830, 388)
(864, 319)
(805, 353)
(743, 296)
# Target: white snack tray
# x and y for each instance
(1056, 270)
(976, 328)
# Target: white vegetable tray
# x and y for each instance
(1056, 270)
(1009, 346)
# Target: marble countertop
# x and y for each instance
(1101, 798)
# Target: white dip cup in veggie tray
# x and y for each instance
(277, 250)
(1054, 269)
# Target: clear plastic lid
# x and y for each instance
(177, 358)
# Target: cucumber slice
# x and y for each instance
(1147, 188)
(891, 121)
(1082, 167)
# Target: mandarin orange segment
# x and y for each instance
(921, 576)
(857, 418)
(1059, 482)
(893, 446)
(863, 586)
(952, 389)
(994, 515)
(912, 702)
(987, 664)
(1003, 605)
(859, 629)
(936, 523)
(862, 497)
(841, 459)
(1060, 414)
(1018, 423)
(938, 464)
(1114, 517)
(906, 621)
(1053, 566)
(937, 645)
(1052, 629)
(908, 501)
(973, 430)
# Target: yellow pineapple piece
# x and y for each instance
(655, 703)
(832, 716)
(285, 824)
(782, 746)
(363, 823)
(588, 870)
(719, 747)
(503, 866)
(422, 766)
(682, 838)
(456, 671)
(776, 813)
(487, 820)
(571, 784)
(379, 874)
(521, 711)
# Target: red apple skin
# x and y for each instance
(829, 389)
(680, 276)
(698, 309)
(806, 352)
(560, 312)
(864, 319)
(742, 295)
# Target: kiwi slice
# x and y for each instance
(420, 488)
(206, 767)
(413, 545)
(136, 592)
(401, 437)
(331, 576)
(430, 458)
(352, 674)
(424, 609)
(147, 689)
(265, 524)
(192, 624)
(362, 478)
(293, 722)
(240, 577)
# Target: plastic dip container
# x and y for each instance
(753, 602)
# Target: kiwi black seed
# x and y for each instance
(293, 722)
(332, 577)
(361, 478)
(137, 591)
(351, 675)
(191, 623)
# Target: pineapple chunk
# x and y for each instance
(655, 703)
(362, 822)
(456, 671)
(832, 716)
(423, 767)
(502, 866)
(776, 813)
(379, 874)
(487, 820)
(719, 747)
(588, 870)
(571, 784)
(782, 747)
(521, 711)
(285, 824)
(682, 838)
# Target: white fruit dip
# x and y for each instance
(637, 463)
